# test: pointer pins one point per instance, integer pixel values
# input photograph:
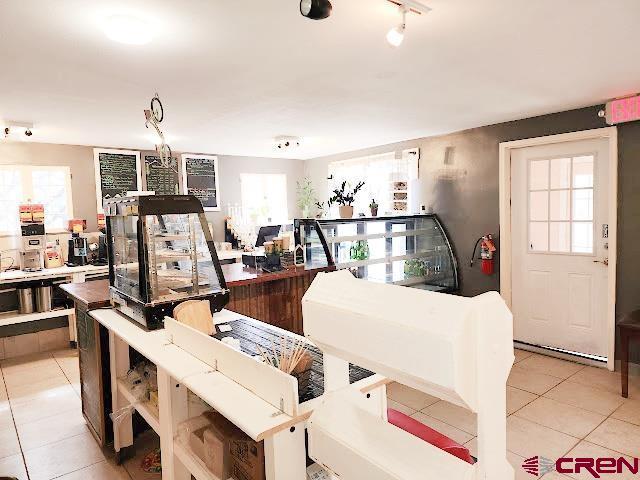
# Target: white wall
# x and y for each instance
(80, 160)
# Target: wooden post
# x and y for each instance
(285, 454)
(172, 409)
(119, 363)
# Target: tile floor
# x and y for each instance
(43, 434)
(554, 407)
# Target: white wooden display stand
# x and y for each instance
(458, 349)
(259, 399)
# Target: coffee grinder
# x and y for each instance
(77, 255)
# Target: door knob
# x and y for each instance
(604, 262)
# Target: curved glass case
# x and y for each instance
(411, 250)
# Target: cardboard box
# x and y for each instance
(247, 459)
(243, 456)
(217, 455)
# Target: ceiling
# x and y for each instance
(233, 74)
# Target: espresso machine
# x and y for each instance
(33, 247)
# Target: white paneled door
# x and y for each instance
(559, 226)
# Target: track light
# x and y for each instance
(315, 9)
(395, 36)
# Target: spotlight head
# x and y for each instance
(395, 36)
(28, 132)
(315, 9)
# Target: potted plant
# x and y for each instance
(345, 198)
(320, 209)
(306, 196)
(374, 207)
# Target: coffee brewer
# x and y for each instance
(33, 245)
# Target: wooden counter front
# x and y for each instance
(274, 298)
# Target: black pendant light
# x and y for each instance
(315, 9)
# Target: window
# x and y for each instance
(386, 180)
(561, 205)
(50, 186)
(264, 198)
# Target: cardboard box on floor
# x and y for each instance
(227, 451)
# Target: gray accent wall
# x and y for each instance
(464, 192)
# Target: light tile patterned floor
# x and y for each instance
(43, 434)
(554, 408)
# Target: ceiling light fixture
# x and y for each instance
(395, 36)
(285, 142)
(18, 130)
(315, 9)
(127, 29)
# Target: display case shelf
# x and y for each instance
(411, 250)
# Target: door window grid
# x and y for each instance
(560, 205)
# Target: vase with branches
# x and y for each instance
(306, 196)
(345, 197)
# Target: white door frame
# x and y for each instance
(610, 133)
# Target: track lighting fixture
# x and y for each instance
(395, 36)
(315, 9)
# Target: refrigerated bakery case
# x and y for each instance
(411, 250)
(161, 252)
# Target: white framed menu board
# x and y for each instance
(200, 178)
(116, 173)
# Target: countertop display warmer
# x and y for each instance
(411, 250)
(161, 252)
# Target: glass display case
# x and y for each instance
(161, 252)
(411, 250)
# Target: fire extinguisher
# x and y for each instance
(487, 250)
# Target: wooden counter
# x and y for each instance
(274, 298)
(89, 294)
(93, 353)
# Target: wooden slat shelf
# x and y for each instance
(188, 459)
(11, 318)
(148, 411)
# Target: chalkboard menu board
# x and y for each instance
(200, 178)
(117, 172)
(161, 180)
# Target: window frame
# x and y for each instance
(26, 176)
(334, 180)
(570, 221)
(245, 208)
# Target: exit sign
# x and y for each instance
(623, 110)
